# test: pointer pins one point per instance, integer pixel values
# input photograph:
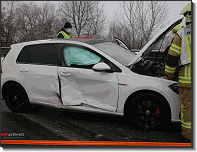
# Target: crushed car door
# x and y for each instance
(71, 94)
(81, 84)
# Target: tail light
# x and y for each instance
(174, 87)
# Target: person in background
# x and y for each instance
(66, 31)
(181, 50)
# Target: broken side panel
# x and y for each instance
(70, 92)
(86, 87)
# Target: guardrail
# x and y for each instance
(4, 51)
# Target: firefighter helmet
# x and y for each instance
(187, 12)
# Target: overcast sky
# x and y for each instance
(175, 7)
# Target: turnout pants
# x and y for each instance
(185, 97)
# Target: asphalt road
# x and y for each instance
(45, 123)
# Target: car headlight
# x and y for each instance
(174, 87)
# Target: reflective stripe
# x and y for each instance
(169, 69)
(186, 125)
(64, 34)
(175, 48)
(181, 110)
(61, 32)
(188, 42)
(187, 75)
(187, 70)
(184, 79)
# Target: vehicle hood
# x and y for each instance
(155, 39)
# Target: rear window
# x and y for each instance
(39, 54)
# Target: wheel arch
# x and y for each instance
(146, 91)
(7, 84)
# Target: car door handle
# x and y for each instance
(65, 74)
(24, 70)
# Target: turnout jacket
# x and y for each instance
(180, 50)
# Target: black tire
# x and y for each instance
(148, 111)
(16, 98)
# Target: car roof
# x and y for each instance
(85, 40)
(61, 40)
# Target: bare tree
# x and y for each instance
(139, 20)
(7, 25)
(3, 26)
(83, 15)
(46, 21)
(96, 22)
(35, 22)
(27, 15)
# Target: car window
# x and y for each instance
(120, 54)
(82, 57)
(23, 56)
(78, 56)
(39, 54)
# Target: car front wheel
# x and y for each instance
(16, 98)
(148, 111)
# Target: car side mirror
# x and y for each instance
(102, 67)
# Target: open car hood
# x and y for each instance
(155, 39)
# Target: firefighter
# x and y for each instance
(66, 31)
(177, 28)
(181, 49)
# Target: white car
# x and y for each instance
(2, 59)
(91, 75)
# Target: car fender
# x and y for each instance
(16, 80)
(139, 83)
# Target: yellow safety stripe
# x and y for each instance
(187, 70)
(64, 34)
(170, 69)
(187, 123)
(187, 75)
(184, 124)
(61, 32)
(190, 70)
(175, 48)
(188, 42)
(184, 79)
(189, 48)
(182, 111)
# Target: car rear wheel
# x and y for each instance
(16, 98)
(148, 111)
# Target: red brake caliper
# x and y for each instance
(22, 98)
(157, 110)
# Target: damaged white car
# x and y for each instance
(91, 75)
